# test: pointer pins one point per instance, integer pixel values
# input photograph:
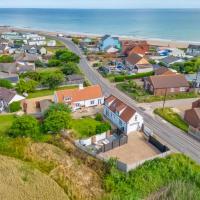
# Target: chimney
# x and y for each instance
(81, 87)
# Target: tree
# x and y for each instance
(14, 107)
(54, 63)
(60, 107)
(70, 68)
(57, 121)
(25, 125)
(26, 86)
(32, 75)
(103, 128)
(39, 63)
(99, 117)
(5, 83)
(6, 59)
(52, 79)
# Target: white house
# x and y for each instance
(121, 115)
(37, 42)
(80, 97)
(7, 97)
(51, 43)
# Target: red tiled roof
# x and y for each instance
(116, 105)
(91, 92)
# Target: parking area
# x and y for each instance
(137, 149)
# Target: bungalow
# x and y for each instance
(164, 71)
(75, 79)
(167, 61)
(51, 43)
(138, 63)
(33, 36)
(80, 97)
(7, 97)
(193, 50)
(108, 41)
(29, 49)
(37, 42)
(121, 115)
(160, 85)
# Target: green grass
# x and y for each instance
(152, 176)
(47, 92)
(169, 115)
(5, 123)
(84, 127)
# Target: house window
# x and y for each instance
(92, 102)
(99, 101)
(136, 118)
(120, 122)
(77, 104)
(67, 99)
(182, 89)
(172, 90)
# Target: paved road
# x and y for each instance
(162, 129)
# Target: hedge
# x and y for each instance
(135, 76)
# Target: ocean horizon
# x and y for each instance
(164, 24)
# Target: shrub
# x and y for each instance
(26, 85)
(119, 78)
(14, 107)
(102, 128)
(99, 117)
(5, 83)
(25, 125)
(6, 59)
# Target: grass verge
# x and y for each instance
(172, 117)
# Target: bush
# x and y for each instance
(26, 86)
(99, 117)
(14, 107)
(6, 59)
(25, 125)
(70, 68)
(135, 76)
(5, 83)
(102, 128)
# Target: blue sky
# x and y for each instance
(100, 3)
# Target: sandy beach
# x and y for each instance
(151, 41)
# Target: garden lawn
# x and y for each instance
(85, 127)
(172, 117)
(47, 92)
(5, 123)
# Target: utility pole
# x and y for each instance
(164, 100)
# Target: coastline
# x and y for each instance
(151, 41)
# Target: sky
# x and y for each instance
(99, 3)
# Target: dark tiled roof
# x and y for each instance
(193, 46)
(163, 70)
(116, 105)
(168, 81)
(169, 59)
(75, 77)
(6, 94)
(134, 58)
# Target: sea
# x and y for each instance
(166, 24)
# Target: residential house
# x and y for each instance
(134, 47)
(80, 97)
(7, 97)
(33, 36)
(51, 43)
(164, 71)
(159, 85)
(10, 68)
(138, 63)
(108, 41)
(167, 61)
(30, 49)
(37, 42)
(12, 36)
(111, 50)
(121, 115)
(192, 117)
(75, 79)
(4, 41)
(13, 78)
(3, 48)
(193, 50)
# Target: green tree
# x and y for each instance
(103, 128)
(14, 107)
(54, 63)
(6, 59)
(26, 85)
(52, 79)
(70, 68)
(25, 125)
(57, 121)
(5, 83)
(39, 63)
(59, 107)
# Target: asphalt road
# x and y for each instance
(172, 135)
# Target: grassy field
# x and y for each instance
(46, 92)
(20, 181)
(5, 123)
(85, 127)
(159, 175)
(169, 115)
